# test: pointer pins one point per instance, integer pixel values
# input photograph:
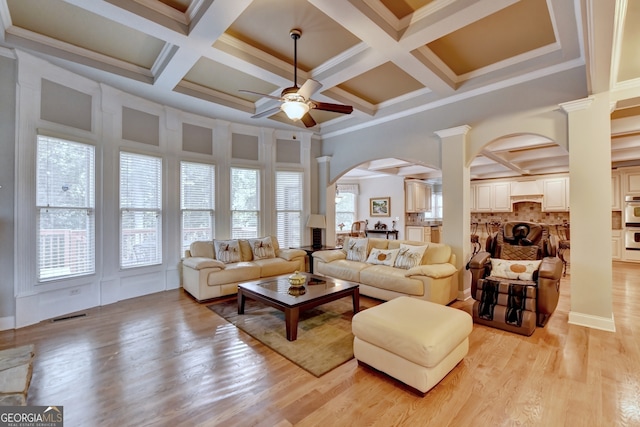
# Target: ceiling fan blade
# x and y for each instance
(266, 113)
(264, 95)
(309, 88)
(336, 108)
(308, 120)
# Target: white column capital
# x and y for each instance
(577, 105)
(459, 130)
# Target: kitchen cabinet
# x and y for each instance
(491, 197)
(555, 194)
(417, 196)
(616, 244)
(631, 182)
(418, 233)
(615, 192)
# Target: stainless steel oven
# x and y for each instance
(632, 211)
(632, 238)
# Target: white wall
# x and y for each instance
(36, 301)
(391, 186)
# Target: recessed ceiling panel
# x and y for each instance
(222, 78)
(403, 8)
(179, 5)
(76, 26)
(515, 30)
(381, 84)
(266, 24)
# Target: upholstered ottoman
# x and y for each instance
(414, 341)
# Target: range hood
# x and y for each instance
(526, 191)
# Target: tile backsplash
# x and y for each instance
(523, 211)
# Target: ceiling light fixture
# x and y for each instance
(295, 109)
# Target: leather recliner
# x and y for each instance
(524, 289)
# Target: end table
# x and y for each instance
(310, 250)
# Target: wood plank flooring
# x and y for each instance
(165, 360)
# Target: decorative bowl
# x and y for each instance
(297, 279)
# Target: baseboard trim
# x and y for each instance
(594, 322)
(464, 295)
(7, 323)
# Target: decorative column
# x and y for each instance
(589, 127)
(456, 202)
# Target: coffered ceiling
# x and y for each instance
(386, 58)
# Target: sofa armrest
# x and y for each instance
(435, 271)
(330, 255)
(290, 254)
(198, 263)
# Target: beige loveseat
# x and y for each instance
(434, 278)
(206, 276)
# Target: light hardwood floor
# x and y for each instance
(165, 360)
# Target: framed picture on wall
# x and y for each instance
(380, 206)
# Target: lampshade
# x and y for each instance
(316, 221)
(294, 109)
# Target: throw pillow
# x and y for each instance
(512, 269)
(383, 256)
(357, 249)
(262, 248)
(409, 256)
(227, 251)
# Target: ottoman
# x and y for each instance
(414, 341)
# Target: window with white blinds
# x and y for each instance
(140, 210)
(65, 203)
(288, 207)
(245, 203)
(197, 202)
(345, 210)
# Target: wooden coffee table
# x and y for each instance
(276, 292)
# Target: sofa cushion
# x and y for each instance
(409, 256)
(234, 273)
(276, 266)
(227, 251)
(245, 250)
(343, 269)
(357, 249)
(383, 256)
(392, 279)
(437, 253)
(514, 269)
(202, 249)
(262, 248)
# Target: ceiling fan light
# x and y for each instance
(295, 109)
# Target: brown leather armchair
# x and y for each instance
(524, 289)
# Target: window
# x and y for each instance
(245, 203)
(288, 207)
(140, 210)
(65, 201)
(197, 202)
(346, 198)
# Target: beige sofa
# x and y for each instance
(434, 279)
(206, 277)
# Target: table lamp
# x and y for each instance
(316, 223)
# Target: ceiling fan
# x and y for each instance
(296, 101)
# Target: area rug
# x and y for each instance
(324, 333)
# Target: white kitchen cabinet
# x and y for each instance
(491, 197)
(615, 192)
(415, 233)
(484, 198)
(417, 196)
(555, 194)
(616, 244)
(631, 182)
(502, 197)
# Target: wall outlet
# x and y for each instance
(74, 292)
